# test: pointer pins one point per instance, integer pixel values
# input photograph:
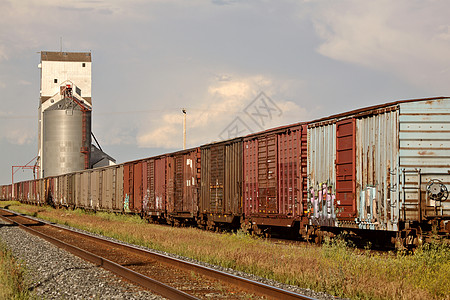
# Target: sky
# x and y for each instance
(236, 66)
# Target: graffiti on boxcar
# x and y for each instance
(126, 203)
(321, 205)
(368, 217)
(145, 201)
(159, 202)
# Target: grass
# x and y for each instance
(334, 268)
(12, 277)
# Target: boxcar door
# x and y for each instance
(345, 168)
(217, 178)
(267, 174)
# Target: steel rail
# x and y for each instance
(252, 286)
(142, 280)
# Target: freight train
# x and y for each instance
(380, 173)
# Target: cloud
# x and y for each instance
(25, 82)
(17, 129)
(222, 104)
(20, 136)
(411, 41)
(18, 132)
(3, 55)
(223, 2)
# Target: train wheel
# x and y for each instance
(246, 226)
(318, 239)
(256, 230)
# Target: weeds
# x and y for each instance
(12, 277)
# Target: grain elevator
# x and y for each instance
(65, 106)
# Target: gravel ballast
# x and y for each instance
(56, 274)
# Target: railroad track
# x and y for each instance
(170, 277)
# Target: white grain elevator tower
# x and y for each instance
(64, 139)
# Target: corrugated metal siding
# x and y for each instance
(205, 204)
(183, 176)
(146, 184)
(85, 189)
(376, 171)
(119, 188)
(108, 191)
(138, 185)
(160, 185)
(267, 174)
(290, 173)
(41, 193)
(233, 178)
(217, 178)
(250, 177)
(78, 201)
(128, 187)
(275, 175)
(95, 189)
(322, 173)
(221, 178)
(322, 155)
(71, 190)
(424, 155)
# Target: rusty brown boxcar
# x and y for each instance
(221, 184)
(154, 186)
(183, 183)
(7, 192)
(274, 189)
(4, 192)
(133, 186)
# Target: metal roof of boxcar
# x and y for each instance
(274, 130)
(228, 141)
(371, 110)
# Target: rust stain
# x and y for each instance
(423, 153)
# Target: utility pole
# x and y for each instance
(184, 128)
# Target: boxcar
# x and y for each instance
(274, 176)
(183, 182)
(133, 186)
(95, 189)
(85, 189)
(40, 191)
(5, 192)
(221, 184)
(118, 200)
(154, 185)
(383, 168)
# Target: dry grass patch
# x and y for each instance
(12, 277)
(334, 268)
